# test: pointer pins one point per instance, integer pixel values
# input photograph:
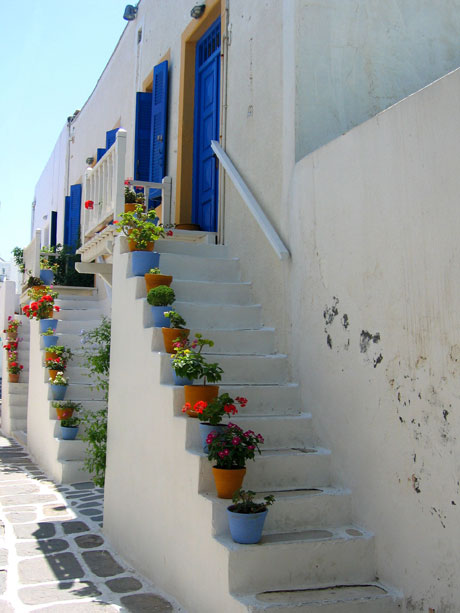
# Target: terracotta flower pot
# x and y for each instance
(152, 281)
(53, 373)
(64, 413)
(170, 335)
(228, 480)
(12, 336)
(132, 246)
(130, 207)
(13, 378)
(194, 393)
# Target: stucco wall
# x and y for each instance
(356, 58)
(374, 303)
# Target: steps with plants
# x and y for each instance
(62, 459)
(312, 556)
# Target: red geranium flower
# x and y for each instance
(89, 204)
(169, 233)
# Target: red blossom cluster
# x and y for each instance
(39, 309)
(89, 204)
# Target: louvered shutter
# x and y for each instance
(159, 128)
(74, 215)
(66, 220)
(142, 143)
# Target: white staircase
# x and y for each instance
(14, 400)
(312, 557)
(62, 460)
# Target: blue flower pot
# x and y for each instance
(143, 261)
(49, 341)
(180, 380)
(69, 434)
(44, 324)
(246, 528)
(47, 276)
(58, 391)
(206, 429)
(159, 320)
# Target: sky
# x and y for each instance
(52, 53)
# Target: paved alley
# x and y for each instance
(53, 555)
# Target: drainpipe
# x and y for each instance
(223, 125)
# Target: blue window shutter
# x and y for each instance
(100, 153)
(110, 137)
(74, 215)
(66, 220)
(142, 143)
(158, 128)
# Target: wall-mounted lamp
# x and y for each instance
(130, 12)
(197, 10)
(90, 161)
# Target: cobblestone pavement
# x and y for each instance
(53, 554)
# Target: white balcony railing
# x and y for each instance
(104, 185)
(32, 256)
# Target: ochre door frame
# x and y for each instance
(184, 176)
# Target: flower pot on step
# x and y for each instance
(13, 378)
(47, 276)
(44, 324)
(180, 380)
(133, 247)
(63, 413)
(228, 480)
(52, 373)
(69, 434)
(246, 528)
(170, 335)
(50, 340)
(205, 431)
(159, 320)
(12, 336)
(152, 281)
(194, 393)
(58, 391)
(143, 261)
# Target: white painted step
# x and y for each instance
(18, 389)
(212, 292)
(367, 598)
(18, 424)
(277, 470)
(79, 392)
(75, 327)
(72, 341)
(76, 304)
(222, 316)
(78, 315)
(294, 510)
(240, 368)
(87, 405)
(75, 374)
(72, 471)
(301, 559)
(262, 399)
(191, 248)
(199, 268)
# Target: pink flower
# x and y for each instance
(236, 440)
(260, 438)
(226, 452)
(221, 454)
(251, 447)
(169, 233)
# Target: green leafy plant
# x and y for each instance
(60, 351)
(162, 295)
(59, 379)
(47, 262)
(48, 332)
(190, 363)
(177, 321)
(66, 273)
(14, 368)
(233, 447)
(18, 257)
(66, 404)
(213, 412)
(243, 502)
(70, 422)
(33, 281)
(140, 227)
(154, 271)
(96, 351)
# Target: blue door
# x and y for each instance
(206, 129)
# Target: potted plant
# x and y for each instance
(69, 428)
(160, 298)
(49, 338)
(12, 328)
(153, 278)
(189, 362)
(65, 408)
(59, 351)
(58, 386)
(55, 365)
(34, 282)
(246, 518)
(11, 346)
(47, 268)
(230, 449)
(211, 414)
(132, 198)
(176, 330)
(14, 370)
(42, 307)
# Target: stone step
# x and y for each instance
(70, 326)
(191, 248)
(78, 315)
(212, 292)
(20, 433)
(240, 368)
(76, 374)
(72, 471)
(18, 389)
(18, 423)
(222, 316)
(294, 510)
(262, 399)
(71, 340)
(77, 304)
(301, 559)
(79, 392)
(69, 450)
(197, 268)
(236, 342)
(18, 410)
(370, 598)
(277, 470)
(87, 405)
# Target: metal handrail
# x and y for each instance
(252, 204)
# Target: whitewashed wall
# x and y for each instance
(374, 298)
